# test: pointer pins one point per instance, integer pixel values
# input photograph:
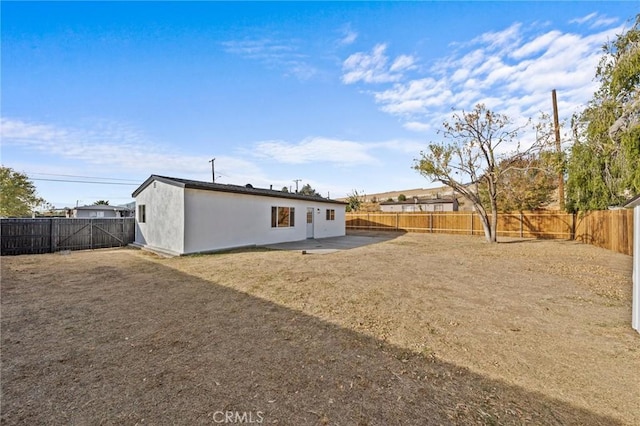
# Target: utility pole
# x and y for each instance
(556, 124)
(296, 181)
(213, 170)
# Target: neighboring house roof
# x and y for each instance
(419, 201)
(236, 189)
(634, 202)
(102, 207)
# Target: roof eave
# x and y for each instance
(634, 202)
(221, 188)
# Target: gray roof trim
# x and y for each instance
(236, 189)
(634, 202)
(101, 207)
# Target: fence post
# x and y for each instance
(471, 222)
(52, 223)
(431, 222)
(55, 234)
(91, 233)
(521, 220)
(397, 220)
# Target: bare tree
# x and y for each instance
(475, 156)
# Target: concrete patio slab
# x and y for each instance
(335, 244)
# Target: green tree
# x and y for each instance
(101, 203)
(285, 189)
(18, 195)
(473, 151)
(307, 190)
(402, 197)
(603, 163)
(354, 201)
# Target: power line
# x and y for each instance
(86, 181)
(84, 177)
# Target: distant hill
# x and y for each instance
(370, 201)
(438, 192)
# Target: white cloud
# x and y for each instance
(603, 22)
(316, 150)
(414, 97)
(121, 149)
(400, 145)
(264, 49)
(417, 126)
(500, 39)
(583, 19)
(595, 20)
(536, 45)
(278, 54)
(349, 37)
(512, 71)
(374, 67)
(323, 150)
(402, 62)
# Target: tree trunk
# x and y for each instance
(493, 197)
(487, 227)
(494, 221)
(484, 219)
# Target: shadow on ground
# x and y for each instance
(174, 349)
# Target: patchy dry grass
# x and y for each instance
(420, 329)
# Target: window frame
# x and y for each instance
(279, 213)
(142, 213)
(330, 214)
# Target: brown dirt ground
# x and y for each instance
(420, 329)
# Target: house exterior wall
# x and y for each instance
(635, 314)
(163, 228)
(218, 220)
(106, 213)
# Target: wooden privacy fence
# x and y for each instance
(48, 235)
(612, 229)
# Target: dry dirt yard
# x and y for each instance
(420, 329)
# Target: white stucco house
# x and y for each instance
(634, 203)
(181, 216)
(417, 204)
(100, 211)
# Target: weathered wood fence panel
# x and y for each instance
(20, 236)
(611, 229)
(48, 235)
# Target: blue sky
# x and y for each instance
(340, 95)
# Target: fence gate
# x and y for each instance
(47, 235)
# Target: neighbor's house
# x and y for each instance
(100, 211)
(445, 204)
(180, 216)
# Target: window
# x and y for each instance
(282, 217)
(142, 213)
(310, 215)
(331, 214)
(438, 207)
